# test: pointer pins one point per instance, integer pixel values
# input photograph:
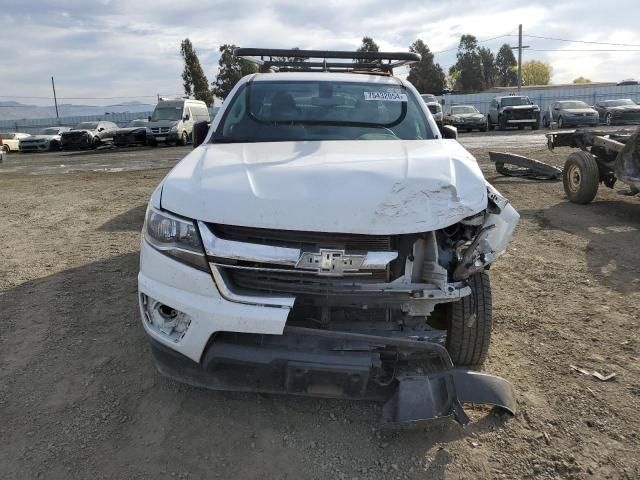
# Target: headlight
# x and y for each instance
(174, 128)
(176, 237)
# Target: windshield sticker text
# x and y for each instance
(385, 96)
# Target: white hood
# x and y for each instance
(369, 187)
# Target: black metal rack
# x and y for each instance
(283, 60)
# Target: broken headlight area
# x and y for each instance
(175, 237)
(163, 319)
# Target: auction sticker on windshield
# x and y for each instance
(385, 96)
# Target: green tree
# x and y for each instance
(469, 65)
(507, 67)
(368, 45)
(489, 70)
(581, 79)
(293, 59)
(195, 81)
(230, 70)
(425, 75)
(535, 72)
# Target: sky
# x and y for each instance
(111, 51)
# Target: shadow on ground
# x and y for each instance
(613, 231)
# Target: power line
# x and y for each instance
(479, 41)
(583, 41)
(581, 50)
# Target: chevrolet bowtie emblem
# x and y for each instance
(330, 262)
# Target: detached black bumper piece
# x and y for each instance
(414, 376)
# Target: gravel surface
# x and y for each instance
(80, 396)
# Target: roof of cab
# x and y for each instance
(326, 76)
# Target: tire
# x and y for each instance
(581, 177)
(608, 119)
(469, 324)
(184, 138)
(96, 142)
(6, 148)
(483, 129)
(545, 122)
(54, 146)
(502, 123)
(560, 122)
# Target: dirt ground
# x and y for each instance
(80, 396)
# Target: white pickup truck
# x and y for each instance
(324, 239)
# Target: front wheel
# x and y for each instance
(502, 123)
(184, 138)
(581, 177)
(560, 122)
(608, 120)
(469, 323)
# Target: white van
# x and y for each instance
(172, 120)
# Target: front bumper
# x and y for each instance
(579, 121)
(34, 147)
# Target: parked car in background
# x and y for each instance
(46, 140)
(11, 140)
(429, 98)
(629, 81)
(173, 119)
(618, 112)
(88, 135)
(436, 112)
(570, 113)
(465, 117)
(135, 133)
(513, 111)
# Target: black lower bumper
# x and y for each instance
(342, 365)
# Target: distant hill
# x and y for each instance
(19, 111)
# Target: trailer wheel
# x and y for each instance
(469, 324)
(581, 177)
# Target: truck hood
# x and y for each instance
(368, 187)
(162, 124)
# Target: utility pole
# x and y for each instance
(520, 47)
(55, 99)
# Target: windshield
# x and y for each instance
(434, 107)
(167, 113)
(86, 126)
(577, 104)
(463, 109)
(305, 110)
(619, 103)
(512, 101)
(427, 97)
(8, 136)
(49, 131)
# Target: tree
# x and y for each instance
(195, 81)
(293, 59)
(535, 72)
(368, 45)
(489, 71)
(581, 79)
(507, 67)
(469, 65)
(426, 76)
(230, 70)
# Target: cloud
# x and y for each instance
(113, 48)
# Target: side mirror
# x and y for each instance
(449, 131)
(101, 129)
(186, 117)
(200, 130)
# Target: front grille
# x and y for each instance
(306, 241)
(521, 114)
(160, 129)
(299, 283)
